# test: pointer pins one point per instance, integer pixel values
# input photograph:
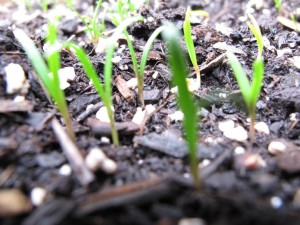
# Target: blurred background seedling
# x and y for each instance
(190, 44)
(93, 28)
(250, 91)
(104, 90)
(48, 74)
(178, 66)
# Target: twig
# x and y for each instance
(73, 155)
(89, 111)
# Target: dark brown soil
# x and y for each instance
(153, 184)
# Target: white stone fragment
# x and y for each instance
(109, 166)
(105, 140)
(262, 127)
(102, 114)
(193, 84)
(37, 196)
(224, 46)
(116, 59)
(150, 108)
(176, 116)
(258, 4)
(204, 163)
(102, 45)
(237, 134)
(155, 75)
(281, 52)
(296, 61)
(239, 150)
(123, 67)
(65, 170)
(276, 202)
(94, 159)
(131, 83)
(276, 147)
(15, 79)
(65, 74)
(89, 106)
(19, 98)
(226, 125)
(139, 116)
(191, 221)
(222, 28)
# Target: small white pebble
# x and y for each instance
(276, 202)
(139, 116)
(222, 95)
(65, 74)
(238, 134)
(293, 117)
(37, 196)
(155, 75)
(276, 147)
(102, 114)
(176, 116)
(186, 175)
(226, 125)
(123, 67)
(140, 162)
(150, 108)
(105, 140)
(94, 159)
(191, 221)
(116, 59)
(109, 166)
(193, 84)
(131, 83)
(15, 79)
(239, 150)
(89, 106)
(150, 19)
(204, 163)
(19, 98)
(65, 170)
(262, 127)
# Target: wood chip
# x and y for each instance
(12, 106)
(13, 202)
(288, 23)
(123, 88)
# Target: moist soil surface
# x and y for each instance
(240, 183)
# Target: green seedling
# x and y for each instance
(139, 69)
(48, 74)
(91, 23)
(257, 34)
(104, 91)
(278, 4)
(178, 66)
(249, 91)
(190, 44)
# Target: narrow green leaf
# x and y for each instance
(132, 53)
(35, 57)
(240, 76)
(257, 34)
(258, 76)
(177, 62)
(188, 37)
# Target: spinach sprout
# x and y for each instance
(178, 66)
(48, 74)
